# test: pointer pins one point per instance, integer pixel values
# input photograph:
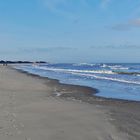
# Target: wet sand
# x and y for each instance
(35, 108)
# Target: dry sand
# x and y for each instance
(31, 110)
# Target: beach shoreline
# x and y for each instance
(37, 100)
(86, 90)
(118, 108)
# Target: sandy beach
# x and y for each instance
(35, 108)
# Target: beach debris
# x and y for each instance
(57, 94)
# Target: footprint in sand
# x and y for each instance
(27, 138)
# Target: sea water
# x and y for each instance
(119, 81)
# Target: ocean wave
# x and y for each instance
(90, 74)
(109, 78)
(127, 73)
(89, 71)
(84, 64)
(109, 72)
(111, 66)
(118, 68)
(115, 67)
(77, 71)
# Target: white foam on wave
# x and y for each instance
(77, 71)
(104, 66)
(84, 64)
(115, 67)
(90, 74)
(109, 78)
(118, 68)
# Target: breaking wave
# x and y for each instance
(85, 64)
(111, 79)
(114, 67)
(91, 74)
(77, 71)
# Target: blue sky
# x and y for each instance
(70, 30)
